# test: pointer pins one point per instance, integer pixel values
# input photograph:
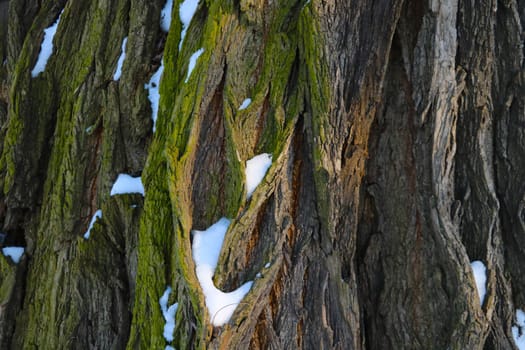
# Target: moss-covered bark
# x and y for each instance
(395, 133)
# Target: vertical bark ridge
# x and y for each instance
(395, 129)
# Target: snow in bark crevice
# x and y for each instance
(206, 249)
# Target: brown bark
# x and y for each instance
(396, 130)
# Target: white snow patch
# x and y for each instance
(154, 95)
(165, 16)
(97, 215)
(480, 275)
(206, 249)
(186, 11)
(267, 265)
(193, 62)
(169, 314)
(256, 169)
(245, 104)
(118, 71)
(46, 48)
(15, 253)
(518, 331)
(127, 184)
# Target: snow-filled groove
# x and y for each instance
(169, 314)
(245, 104)
(165, 16)
(193, 62)
(126, 184)
(15, 253)
(480, 275)
(256, 169)
(518, 331)
(96, 216)
(206, 248)
(186, 11)
(120, 62)
(46, 48)
(153, 93)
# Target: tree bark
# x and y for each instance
(396, 134)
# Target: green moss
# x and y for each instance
(156, 234)
(171, 76)
(156, 231)
(7, 162)
(59, 260)
(15, 125)
(235, 175)
(318, 94)
(7, 280)
(288, 73)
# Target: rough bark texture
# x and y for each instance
(396, 130)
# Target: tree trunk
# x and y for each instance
(398, 157)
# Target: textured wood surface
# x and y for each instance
(396, 134)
